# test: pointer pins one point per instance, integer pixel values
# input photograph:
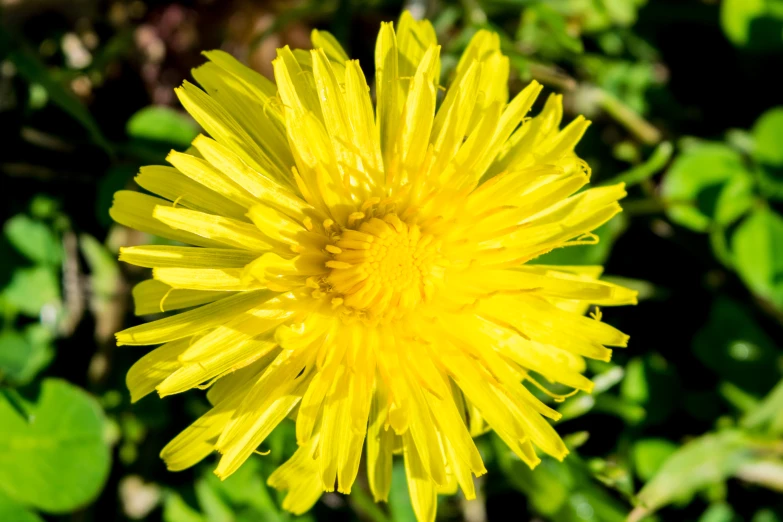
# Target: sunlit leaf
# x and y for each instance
(758, 254)
(695, 183)
(399, 498)
(649, 455)
(768, 137)
(24, 353)
(752, 23)
(768, 415)
(175, 509)
(162, 124)
(698, 464)
(12, 511)
(32, 289)
(59, 461)
(33, 239)
(718, 513)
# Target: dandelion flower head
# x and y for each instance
(367, 270)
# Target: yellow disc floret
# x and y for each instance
(383, 268)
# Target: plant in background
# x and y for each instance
(367, 272)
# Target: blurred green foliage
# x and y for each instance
(687, 424)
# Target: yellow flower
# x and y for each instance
(366, 272)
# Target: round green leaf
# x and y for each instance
(736, 17)
(757, 246)
(33, 239)
(24, 354)
(755, 24)
(707, 183)
(33, 288)
(768, 137)
(162, 124)
(12, 511)
(59, 461)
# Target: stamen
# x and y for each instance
(354, 217)
(555, 396)
(339, 265)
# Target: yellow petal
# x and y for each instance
(214, 279)
(135, 210)
(326, 41)
(380, 443)
(154, 297)
(205, 174)
(172, 185)
(153, 368)
(251, 113)
(422, 490)
(299, 475)
(152, 256)
(218, 229)
(388, 93)
(219, 123)
(193, 321)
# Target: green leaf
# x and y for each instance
(211, 504)
(162, 124)
(104, 269)
(12, 511)
(768, 415)
(246, 487)
(24, 354)
(755, 24)
(547, 488)
(734, 200)
(31, 289)
(644, 171)
(702, 462)
(765, 515)
(650, 383)
(399, 499)
(721, 512)
(733, 346)
(707, 183)
(559, 491)
(59, 461)
(634, 387)
(175, 509)
(768, 137)
(757, 246)
(33, 239)
(649, 454)
(547, 31)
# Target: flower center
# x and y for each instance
(382, 268)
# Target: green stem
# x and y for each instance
(640, 173)
(626, 117)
